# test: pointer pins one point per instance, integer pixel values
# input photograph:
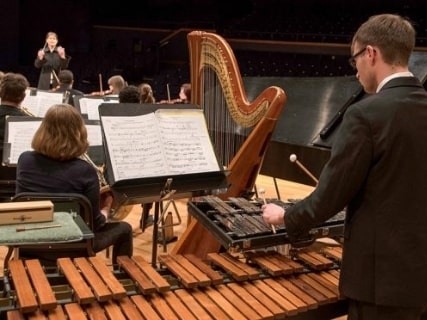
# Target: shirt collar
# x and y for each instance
(394, 75)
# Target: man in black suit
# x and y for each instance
(378, 171)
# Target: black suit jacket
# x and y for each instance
(51, 62)
(378, 170)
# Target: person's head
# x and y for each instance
(51, 39)
(66, 77)
(62, 134)
(13, 87)
(146, 93)
(129, 94)
(185, 92)
(116, 84)
(380, 47)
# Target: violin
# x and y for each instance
(174, 101)
(100, 93)
(56, 88)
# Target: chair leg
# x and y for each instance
(10, 252)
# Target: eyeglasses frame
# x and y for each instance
(352, 59)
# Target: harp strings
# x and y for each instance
(226, 133)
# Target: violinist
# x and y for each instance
(66, 81)
(146, 92)
(50, 60)
(115, 83)
(184, 95)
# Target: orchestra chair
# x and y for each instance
(62, 202)
(7, 183)
(7, 190)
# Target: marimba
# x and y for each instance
(259, 285)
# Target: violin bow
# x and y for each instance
(168, 91)
(100, 83)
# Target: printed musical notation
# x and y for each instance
(89, 106)
(165, 142)
(38, 104)
(20, 131)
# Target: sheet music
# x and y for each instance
(46, 100)
(90, 106)
(94, 134)
(38, 104)
(165, 142)
(20, 134)
(31, 102)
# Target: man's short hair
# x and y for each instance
(65, 76)
(129, 94)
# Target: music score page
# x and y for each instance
(20, 135)
(161, 143)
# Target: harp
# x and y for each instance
(240, 130)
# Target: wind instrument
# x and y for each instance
(28, 112)
(118, 212)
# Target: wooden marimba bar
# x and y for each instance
(260, 285)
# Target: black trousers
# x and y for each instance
(358, 310)
(116, 234)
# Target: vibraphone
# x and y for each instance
(256, 285)
(238, 224)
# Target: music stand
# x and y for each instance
(145, 189)
(19, 132)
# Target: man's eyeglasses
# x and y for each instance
(352, 60)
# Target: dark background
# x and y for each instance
(147, 42)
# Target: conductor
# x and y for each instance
(50, 60)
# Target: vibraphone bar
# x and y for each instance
(238, 224)
(258, 285)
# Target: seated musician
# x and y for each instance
(147, 95)
(129, 94)
(115, 84)
(185, 93)
(66, 82)
(55, 165)
(12, 92)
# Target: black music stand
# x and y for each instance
(157, 188)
